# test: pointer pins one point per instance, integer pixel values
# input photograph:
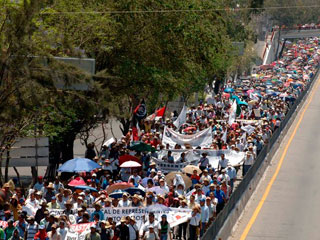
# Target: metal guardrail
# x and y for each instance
(214, 228)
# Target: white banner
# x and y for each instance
(175, 217)
(181, 118)
(202, 139)
(235, 158)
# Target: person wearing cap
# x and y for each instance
(57, 185)
(68, 208)
(137, 179)
(205, 175)
(106, 232)
(53, 234)
(164, 228)
(206, 186)
(204, 216)
(122, 230)
(151, 222)
(93, 234)
(66, 195)
(182, 227)
(204, 161)
(211, 207)
(219, 194)
(98, 211)
(194, 222)
(41, 234)
(89, 198)
(151, 234)
(39, 184)
(136, 201)
(32, 228)
(224, 176)
(133, 229)
(232, 173)
(53, 203)
(152, 166)
(124, 202)
(40, 212)
(50, 192)
(163, 185)
(248, 161)
(62, 230)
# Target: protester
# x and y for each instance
(239, 121)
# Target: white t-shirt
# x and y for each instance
(132, 231)
(145, 227)
(151, 236)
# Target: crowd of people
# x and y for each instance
(263, 100)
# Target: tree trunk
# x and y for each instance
(18, 176)
(34, 174)
(1, 159)
(7, 166)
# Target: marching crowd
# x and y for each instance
(263, 100)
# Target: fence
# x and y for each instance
(215, 227)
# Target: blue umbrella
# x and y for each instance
(135, 190)
(85, 188)
(79, 165)
(242, 103)
(116, 194)
(228, 90)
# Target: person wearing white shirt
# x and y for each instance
(150, 222)
(194, 222)
(224, 176)
(205, 175)
(133, 229)
(163, 185)
(204, 216)
(135, 177)
(206, 186)
(32, 201)
(124, 202)
(62, 230)
(232, 173)
(248, 160)
(223, 162)
(211, 207)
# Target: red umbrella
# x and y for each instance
(117, 186)
(127, 157)
(190, 129)
(78, 181)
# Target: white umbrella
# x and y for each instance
(130, 164)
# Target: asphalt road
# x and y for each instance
(292, 209)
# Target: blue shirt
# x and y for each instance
(101, 215)
(219, 195)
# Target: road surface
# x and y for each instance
(291, 210)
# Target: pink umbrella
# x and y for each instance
(116, 186)
(78, 181)
(250, 91)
